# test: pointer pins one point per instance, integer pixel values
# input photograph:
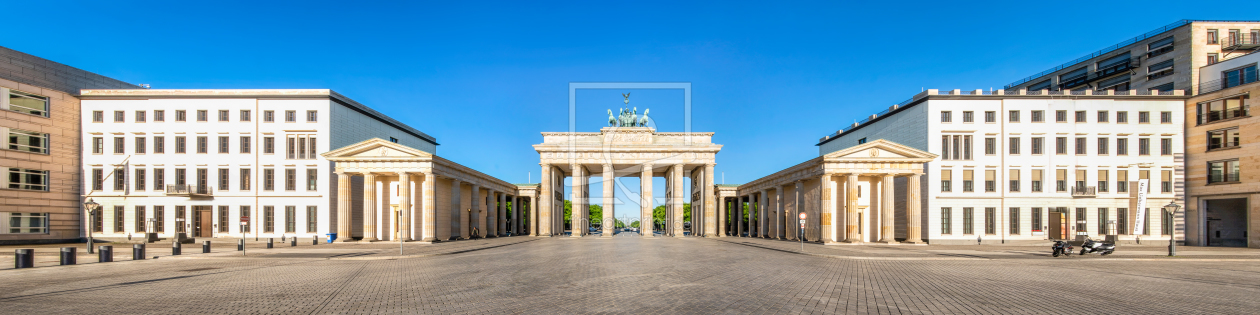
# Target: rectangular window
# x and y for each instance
(1146, 222)
(245, 179)
(1102, 146)
(1082, 225)
(1038, 116)
(98, 145)
(1212, 38)
(1122, 181)
(28, 179)
(269, 145)
(1144, 117)
(1060, 145)
(990, 220)
(120, 179)
(311, 219)
(159, 179)
(181, 176)
(990, 116)
(269, 219)
(140, 217)
(269, 116)
(1144, 146)
(203, 115)
(245, 115)
(968, 180)
(1036, 180)
(1081, 180)
(223, 144)
(1014, 145)
(223, 219)
(990, 146)
(990, 181)
(290, 179)
(946, 228)
(159, 116)
(1223, 109)
(290, 216)
(203, 178)
(291, 148)
(140, 117)
(141, 145)
(1213, 58)
(395, 140)
(202, 144)
(1102, 116)
(1165, 146)
(1165, 117)
(1060, 116)
(1014, 225)
(245, 144)
(945, 116)
(290, 116)
(968, 220)
(179, 216)
(120, 116)
(1036, 220)
(1103, 217)
(119, 219)
(223, 115)
(1080, 146)
(1013, 180)
(241, 215)
(269, 179)
(27, 141)
(181, 115)
(98, 116)
(1122, 117)
(311, 177)
(946, 177)
(181, 144)
(159, 144)
(140, 178)
(1122, 146)
(1103, 180)
(159, 219)
(966, 147)
(223, 179)
(98, 179)
(1165, 181)
(1060, 180)
(120, 145)
(967, 117)
(1080, 116)
(310, 147)
(1223, 139)
(1014, 116)
(1166, 224)
(312, 116)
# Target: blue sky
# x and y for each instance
(485, 78)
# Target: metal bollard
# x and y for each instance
(315, 240)
(240, 245)
(137, 252)
(24, 258)
(176, 248)
(293, 241)
(69, 255)
(105, 253)
(205, 247)
(271, 242)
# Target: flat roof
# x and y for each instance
(89, 94)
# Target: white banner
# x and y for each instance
(1140, 222)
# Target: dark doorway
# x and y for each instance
(202, 221)
(1226, 222)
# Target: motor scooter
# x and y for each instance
(1061, 247)
(1103, 248)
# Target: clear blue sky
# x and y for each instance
(486, 78)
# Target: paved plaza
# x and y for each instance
(628, 274)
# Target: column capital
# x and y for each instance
(366, 173)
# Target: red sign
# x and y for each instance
(244, 219)
(802, 216)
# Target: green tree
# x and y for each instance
(597, 215)
(658, 213)
(634, 224)
(568, 211)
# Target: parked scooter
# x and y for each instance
(1102, 248)
(1061, 247)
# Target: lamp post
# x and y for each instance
(91, 207)
(1172, 209)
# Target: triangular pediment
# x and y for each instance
(880, 149)
(377, 148)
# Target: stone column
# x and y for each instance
(544, 202)
(645, 200)
(459, 209)
(344, 205)
(780, 229)
(404, 207)
(534, 216)
(429, 191)
(723, 211)
(798, 194)
(576, 214)
(608, 222)
(913, 213)
(370, 211)
(516, 214)
(492, 208)
(827, 209)
(474, 210)
(710, 204)
(677, 199)
(850, 209)
(886, 234)
(501, 217)
(762, 208)
(738, 216)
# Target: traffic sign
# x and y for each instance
(802, 216)
(244, 219)
(802, 221)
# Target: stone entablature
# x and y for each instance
(627, 145)
(380, 156)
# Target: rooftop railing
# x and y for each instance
(1225, 83)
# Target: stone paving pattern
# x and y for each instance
(634, 275)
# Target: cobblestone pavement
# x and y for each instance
(634, 275)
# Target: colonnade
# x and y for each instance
(421, 206)
(852, 207)
(551, 220)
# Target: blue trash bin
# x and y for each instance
(331, 237)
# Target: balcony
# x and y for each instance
(1081, 191)
(1242, 78)
(1240, 42)
(189, 190)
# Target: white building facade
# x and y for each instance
(1016, 167)
(203, 162)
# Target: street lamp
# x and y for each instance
(91, 207)
(1172, 209)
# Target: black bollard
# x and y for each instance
(315, 240)
(240, 245)
(69, 255)
(205, 247)
(293, 241)
(271, 242)
(176, 248)
(105, 253)
(137, 252)
(24, 258)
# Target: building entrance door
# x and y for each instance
(1226, 222)
(1058, 226)
(202, 221)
